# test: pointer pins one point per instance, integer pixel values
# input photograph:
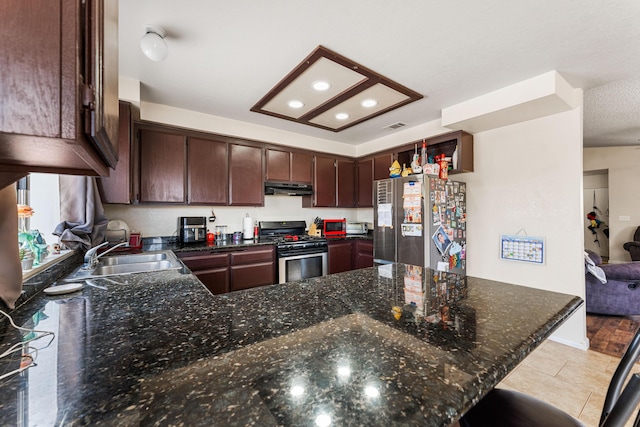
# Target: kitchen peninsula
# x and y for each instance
(344, 349)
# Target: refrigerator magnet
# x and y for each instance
(441, 240)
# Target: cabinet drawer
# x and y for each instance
(249, 276)
(205, 261)
(253, 256)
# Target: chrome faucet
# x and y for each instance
(91, 257)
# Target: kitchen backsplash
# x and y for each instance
(161, 220)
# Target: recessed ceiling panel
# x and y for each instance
(384, 97)
(349, 85)
(301, 89)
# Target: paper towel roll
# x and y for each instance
(247, 228)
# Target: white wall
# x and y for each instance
(623, 165)
(159, 220)
(529, 176)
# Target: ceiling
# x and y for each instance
(224, 56)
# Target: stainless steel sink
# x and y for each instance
(133, 258)
(127, 264)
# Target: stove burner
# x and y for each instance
(291, 238)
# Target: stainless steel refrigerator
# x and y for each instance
(420, 220)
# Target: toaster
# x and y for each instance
(357, 228)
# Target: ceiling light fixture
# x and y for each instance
(153, 44)
(296, 104)
(321, 85)
(368, 103)
(352, 93)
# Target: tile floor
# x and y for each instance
(573, 380)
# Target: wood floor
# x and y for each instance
(611, 334)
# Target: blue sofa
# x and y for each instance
(620, 296)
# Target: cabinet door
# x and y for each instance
(163, 162)
(251, 275)
(207, 172)
(212, 269)
(364, 184)
(58, 63)
(117, 188)
(101, 74)
(381, 166)
(324, 182)
(346, 183)
(215, 279)
(253, 267)
(301, 167)
(339, 257)
(246, 185)
(278, 165)
(363, 254)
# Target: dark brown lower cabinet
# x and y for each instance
(363, 254)
(226, 270)
(211, 268)
(347, 255)
(251, 267)
(339, 256)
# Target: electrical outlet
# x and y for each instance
(624, 218)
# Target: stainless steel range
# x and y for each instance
(299, 256)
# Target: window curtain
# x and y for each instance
(10, 267)
(84, 224)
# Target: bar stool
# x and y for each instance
(506, 408)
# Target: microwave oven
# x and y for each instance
(334, 227)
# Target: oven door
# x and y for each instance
(298, 267)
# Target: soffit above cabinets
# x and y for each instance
(350, 85)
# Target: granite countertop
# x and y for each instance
(159, 349)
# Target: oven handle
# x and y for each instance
(307, 255)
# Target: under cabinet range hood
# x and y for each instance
(287, 188)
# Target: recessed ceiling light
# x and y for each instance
(320, 85)
(295, 104)
(342, 116)
(368, 103)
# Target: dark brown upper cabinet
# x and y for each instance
(278, 165)
(333, 183)
(456, 145)
(301, 164)
(364, 183)
(381, 165)
(324, 183)
(208, 172)
(246, 184)
(288, 166)
(346, 183)
(118, 186)
(59, 85)
(163, 166)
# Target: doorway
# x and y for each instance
(596, 199)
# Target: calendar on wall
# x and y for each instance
(522, 248)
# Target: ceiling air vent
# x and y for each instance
(395, 125)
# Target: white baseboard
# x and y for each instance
(582, 346)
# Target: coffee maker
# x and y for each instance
(192, 229)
